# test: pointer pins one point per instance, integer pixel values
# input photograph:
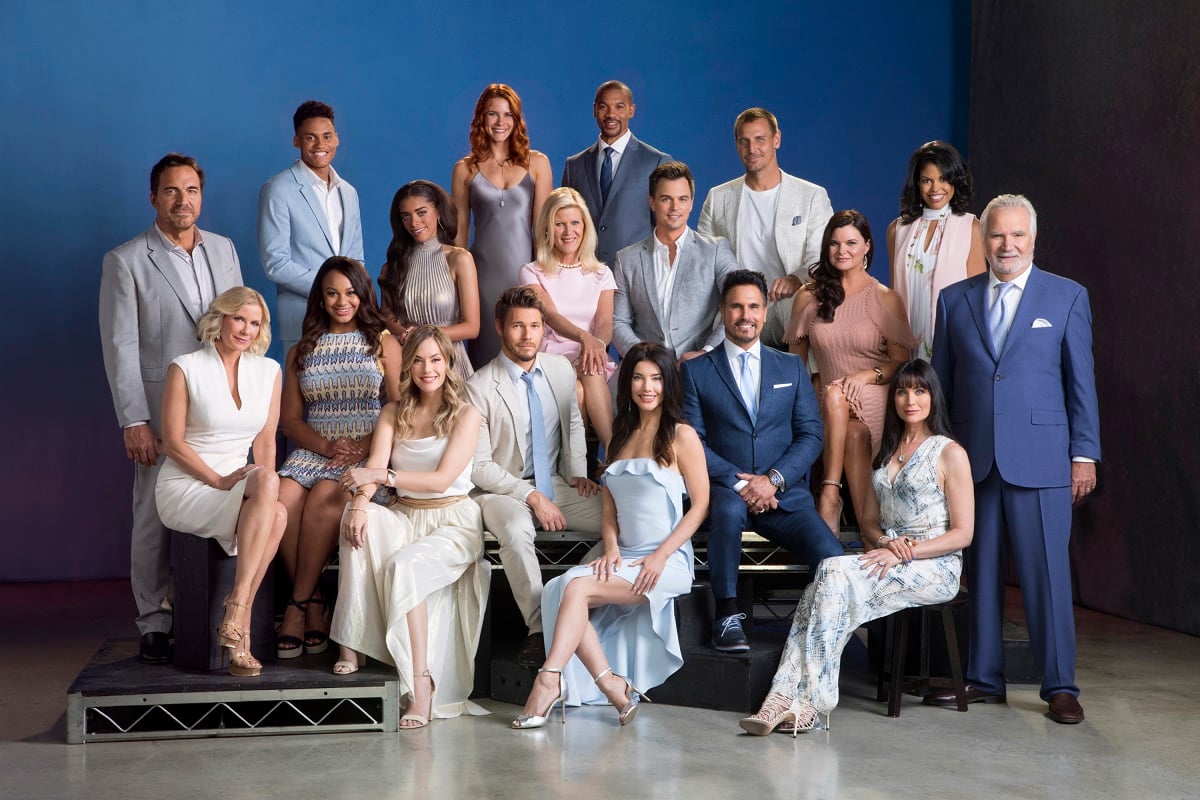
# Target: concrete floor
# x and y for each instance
(1141, 738)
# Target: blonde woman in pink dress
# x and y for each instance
(859, 335)
(935, 241)
(577, 291)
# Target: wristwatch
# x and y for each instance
(776, 479)
(391, 477)
(878, 375)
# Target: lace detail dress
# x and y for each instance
(855, 340)
(844, 596)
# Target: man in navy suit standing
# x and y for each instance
(1013, 349)
(612, 174)
(755, 411)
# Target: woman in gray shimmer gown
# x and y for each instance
(427, 280)
(503, 183)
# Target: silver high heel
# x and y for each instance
(633, 696)
(528, 721)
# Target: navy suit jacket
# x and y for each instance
(1032, 407)
(626, 218)
(786, 435)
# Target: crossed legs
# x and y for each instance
(259, 530)
(847, 449)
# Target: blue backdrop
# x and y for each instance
(94, 93)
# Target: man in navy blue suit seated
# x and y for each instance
(756, 413)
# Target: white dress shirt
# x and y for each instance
(330, 200)
(193, 270)
(664, 280)
(618, 150)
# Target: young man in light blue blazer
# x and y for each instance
(306, 214)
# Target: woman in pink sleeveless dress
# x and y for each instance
(859, 335)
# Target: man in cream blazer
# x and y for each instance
(514, 496)
(774, 222)
(668, 286)
(153, 291)
(306, 214)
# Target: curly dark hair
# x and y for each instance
(826, 283)
(394, 273)
(316, 318)
(915, 374)
(954, 170)
(627, 417)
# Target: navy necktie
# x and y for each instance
(606, 175)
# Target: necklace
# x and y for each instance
(503, 183)
(576, 265)
(900, 450)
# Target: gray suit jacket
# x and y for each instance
(294, 240)
(146, 319)
(800, 219)
(703, 262)
(626, 218)
(500, 454)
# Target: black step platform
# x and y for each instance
(116, 697)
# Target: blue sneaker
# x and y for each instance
(728, 636)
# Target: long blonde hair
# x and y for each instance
(453, 391)
(227, 303)
(557, 200)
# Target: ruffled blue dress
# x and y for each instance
(640, 641)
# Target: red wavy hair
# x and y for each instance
(518, 140)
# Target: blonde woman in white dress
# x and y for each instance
(412, 581)
(219, 403)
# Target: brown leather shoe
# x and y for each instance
(533, 651)
(1065, 709)
(973, 692)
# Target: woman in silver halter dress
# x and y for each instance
(427, 280)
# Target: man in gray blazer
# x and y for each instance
(612, 173)
(773, 221)
(306, 214)
(153, 291)
(668, 286)
(530, 474)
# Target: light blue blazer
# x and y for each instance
(294, 241)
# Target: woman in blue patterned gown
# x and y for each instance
(919, 518)
(611, 623)
(336, 375)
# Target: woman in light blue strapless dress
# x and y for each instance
(503, 184)
(611, 623)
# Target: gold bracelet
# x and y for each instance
(360, 492)
(356, 508)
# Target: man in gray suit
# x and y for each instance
(773, 221)
(532, 459)
(153, 291)
(306, 214)
(668, 286)
(611, 173)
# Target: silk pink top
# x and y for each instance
(576, 295)
(857, 339)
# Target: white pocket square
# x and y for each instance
(781, 386)
(1041, 323)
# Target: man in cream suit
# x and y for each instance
(612, 173)
(668, 286)
(153, 291)
(306, 214)
(773, 221)
(531, 462)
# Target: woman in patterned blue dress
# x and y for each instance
(335, 377)
(919, 518)
(611, 623)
